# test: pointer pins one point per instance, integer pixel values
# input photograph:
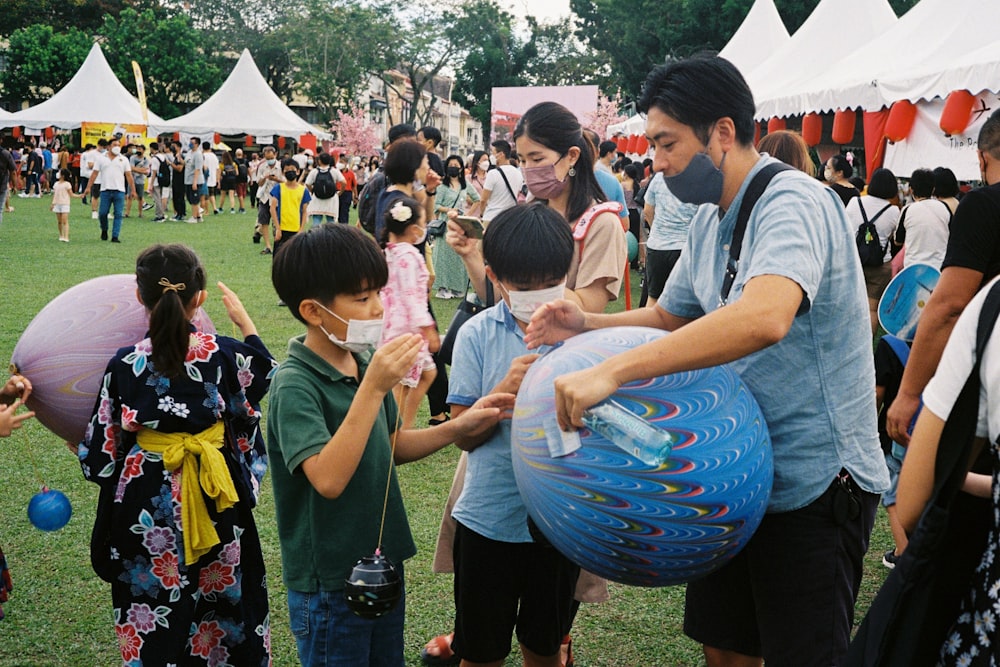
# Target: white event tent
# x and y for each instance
(834, 27)
(93, 95)
(761, 33)
(244, 104)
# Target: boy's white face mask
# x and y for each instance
(524, 303)
(362, 335)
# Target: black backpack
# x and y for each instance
(324, 187)
(870, 250)
(163, 172)
(368, 199)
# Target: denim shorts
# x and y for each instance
(328, 634)
(894, 461)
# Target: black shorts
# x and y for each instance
(95, 191)
(501, 587)
(659, 264)
(192, 194)
(789, 595)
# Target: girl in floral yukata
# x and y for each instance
(175, 446)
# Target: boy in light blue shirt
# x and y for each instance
(504, 579)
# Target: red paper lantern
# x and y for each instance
(775, 124)
(622, 143)
(177, 136)
(633, 142)
(248, 140)
(642, 146)
(844, 121)
(16, 132)
(957, 112)
(812, 129)
(49, 133)
(216, 138)
(281, 142)
(902, 114)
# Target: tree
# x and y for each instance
(561, 59)
(61, 15)
(334, 49)
(608, 113)
(417, 53)
(41, 61)
(497, 56)
(356, 133)
(176, 71)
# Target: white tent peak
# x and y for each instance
(835, 27)
(760, 34)
(93, 95)
(244, 104)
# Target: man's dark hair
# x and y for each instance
(325, 261)
(154, 145)
(882, 184)
(607, 147)
(989, 135)
(325, 159)
(206, 145)
(528, 244)
(402, 161)
(400, 131)
(945, 183)
(922, 183)
(196, 140)
(431, 134)
(502, 146)
(698, 92)
(102, 142)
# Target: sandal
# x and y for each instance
(437, 422)
(445, 656)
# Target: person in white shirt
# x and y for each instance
(502, 184)
(211, 171)
(115, 173)
(324, 209)
(880, 205)
(607, 152)
(160, 193)
(923, 225)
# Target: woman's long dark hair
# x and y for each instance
(632, 170)
(461, 169)
(556, 127)
(168, 278)
(477, 157)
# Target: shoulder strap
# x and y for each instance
(582, 226)
(880, 212)
(955, 444)
(948, 208)
(899, 346)
(507, 183)
(750, 197)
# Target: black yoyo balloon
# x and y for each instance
(373, 588)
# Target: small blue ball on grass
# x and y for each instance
(49, 510)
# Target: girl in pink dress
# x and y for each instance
(404, 299)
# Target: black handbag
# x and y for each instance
(920, 600)
(465, 311)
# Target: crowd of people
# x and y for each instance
(751, 257)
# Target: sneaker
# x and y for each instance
(36, 196)
(93, 215)
(193, 221)
(889, 558)
(243, 210)
(216, 211)
(104, 236)
(146, 207)
(231, 211)
(114, 239)
(22, 195)
(159, 219)
(178, 218)
(84, 201)
(265, 251)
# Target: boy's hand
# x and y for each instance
(474, 425)
(17, 386)
(237, 313)
(511, 382)
(392, 361)
(10, 421)
(553, 323)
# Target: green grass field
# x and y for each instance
(60, 612)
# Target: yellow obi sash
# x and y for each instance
(185, 449)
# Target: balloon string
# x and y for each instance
(392, 457)
(34, 466)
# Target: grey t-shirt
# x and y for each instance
(142, 163)
(193, 165)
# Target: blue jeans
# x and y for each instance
(108, 197)
(328, 634)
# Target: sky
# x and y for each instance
(545, 11)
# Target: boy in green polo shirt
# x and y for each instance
(332, 440)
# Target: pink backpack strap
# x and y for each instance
(582, 225)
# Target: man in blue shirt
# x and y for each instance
(794, 326)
